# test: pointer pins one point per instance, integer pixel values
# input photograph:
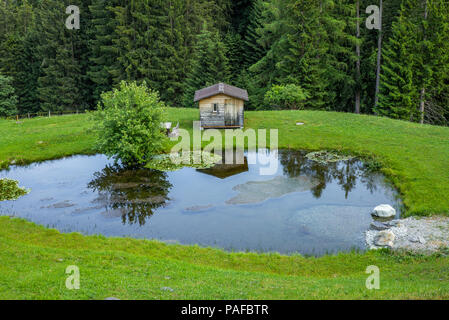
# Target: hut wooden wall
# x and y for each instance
(230, 111)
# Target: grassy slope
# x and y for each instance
(45, 138)
(31, 267)
(416, 157)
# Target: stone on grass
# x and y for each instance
(384, 211)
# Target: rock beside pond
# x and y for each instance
(384, 211)
(425, 235)
(418, 239)
(384, 238)
(379, 226)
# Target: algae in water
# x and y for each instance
(10, 190)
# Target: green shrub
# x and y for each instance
(8, 100)
(288, 96)
(129, 123)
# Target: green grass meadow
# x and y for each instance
(415, 158)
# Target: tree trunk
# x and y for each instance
(379, 56)
(357, 49)
(422, 102)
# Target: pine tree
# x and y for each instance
(17, 53)
(102, 54)
(398, 94)
(253, 49)
(234, 46)
(369, 39)
(274, 38)
(8, 99)
(58, 84)
(209, 64)
(416, 62)
(26, 77)
(339, 20)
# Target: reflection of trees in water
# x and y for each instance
(295, 163)
(134, 193)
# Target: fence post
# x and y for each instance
(28, 115)
(49, 113)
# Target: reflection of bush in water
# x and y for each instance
(135, 192)
(295, 164)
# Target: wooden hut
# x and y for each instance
(221, 106)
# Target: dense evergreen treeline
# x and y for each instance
(179, 46)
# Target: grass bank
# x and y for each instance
(45, 138)
(416, 158)
(34, 260)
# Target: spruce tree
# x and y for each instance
(8, 99)
(59, 81)
(253, 49)
(416, 62)
(102, 55)
(209, 65)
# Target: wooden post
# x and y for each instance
(49, 115)
(28, 115)
(17, 118)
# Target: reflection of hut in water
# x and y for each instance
(223, 170)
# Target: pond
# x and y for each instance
(306, 207)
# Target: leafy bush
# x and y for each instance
(288, 96)
(8, 101)
(129, 123)
(10, 190)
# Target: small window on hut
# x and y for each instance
(215, 107)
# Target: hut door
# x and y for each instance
(229, 114)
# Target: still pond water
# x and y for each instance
(305, 207)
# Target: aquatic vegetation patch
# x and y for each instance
(177, 161)
(325, 156)
(10, 190)
(259, 191)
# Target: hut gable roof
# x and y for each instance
(221, 88)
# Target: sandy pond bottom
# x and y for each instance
(305, 207)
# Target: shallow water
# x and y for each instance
(305, 207)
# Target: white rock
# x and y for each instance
(418, 239)
(384, 239)
(384, 211)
